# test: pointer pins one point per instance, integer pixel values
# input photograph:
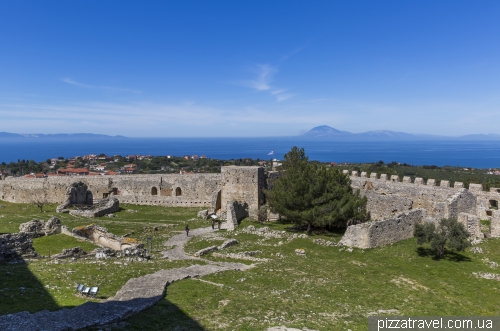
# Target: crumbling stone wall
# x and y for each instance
(37, 228)
(235, 212)
(385, 232)
(192, 190)
(471, 223)
(103, 207)
(387, 198)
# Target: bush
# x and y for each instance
(448, 234)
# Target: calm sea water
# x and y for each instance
(477, 154)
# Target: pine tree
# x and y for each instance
(312, 195)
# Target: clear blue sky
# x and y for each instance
(249, 68)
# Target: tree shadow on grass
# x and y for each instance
(164, 315)
(21, 290)
(448, 255)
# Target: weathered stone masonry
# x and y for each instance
(215, 191)
(239, 190)
(392, 202)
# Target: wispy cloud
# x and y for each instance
(264, 74)
(152, 119)
(98, 87)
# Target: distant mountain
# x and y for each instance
(386, 134)
(57, 136)
(327, 132)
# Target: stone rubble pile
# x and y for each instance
(476, 250)
(324, 242)
(75, 252)
(16, 247)
(249, 256)
(487, 275)
(37, 228)
(268, 234)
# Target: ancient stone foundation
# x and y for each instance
(100, 236)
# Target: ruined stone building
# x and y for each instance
(397, 203)
(242, 185)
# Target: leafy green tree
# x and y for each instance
(312, 195)
(448, 234)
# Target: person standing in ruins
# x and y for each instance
(187, 230)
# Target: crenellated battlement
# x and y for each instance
(388, 196)
(418, 180)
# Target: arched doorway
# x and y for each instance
(154, 191)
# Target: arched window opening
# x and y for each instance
(154, 191)
(178, 192)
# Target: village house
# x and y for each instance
(89, 157)
(130, 168)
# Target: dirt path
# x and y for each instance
(135, 296)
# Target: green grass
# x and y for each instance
(50, 245)
(328, 289)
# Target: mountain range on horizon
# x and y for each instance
(323, 132)
(326, 132)
(56, 136)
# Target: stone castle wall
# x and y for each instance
(389, 196)
(215, 191)
(167, 190)
(385, 232)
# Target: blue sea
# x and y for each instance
(476, 154)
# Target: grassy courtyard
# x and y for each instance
(330, 288)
